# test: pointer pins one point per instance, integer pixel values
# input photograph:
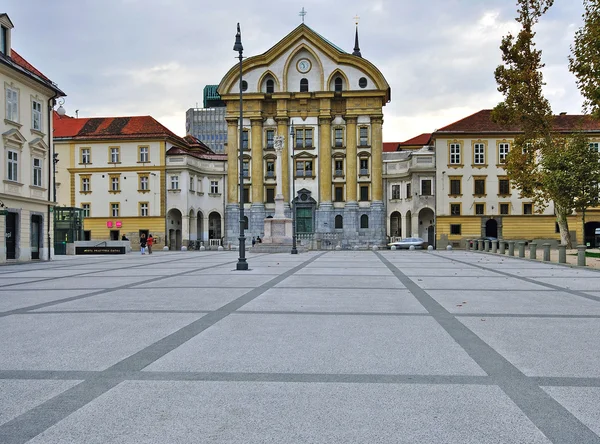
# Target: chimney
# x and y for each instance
(564, 113)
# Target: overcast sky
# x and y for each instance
(140, 57)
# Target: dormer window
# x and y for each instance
(338, 84)
(270, 86)
(3, 40)
(304, 85)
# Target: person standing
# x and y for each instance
(143, 243)
(150, 242)
(253, 241)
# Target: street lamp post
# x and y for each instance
(241, 264)
(294, 249)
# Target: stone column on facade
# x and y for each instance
(282, 130)
(415, 225)
(376, 159)
(403, 227)
(185, 230)
(279, 212)
(256, 215)
(324, 214)
(193, 224)
(351, 160)
(232, 209)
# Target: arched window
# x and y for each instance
(270, 86)
(303, 85)
(339, 221)
(245, 222)
(338, 83)
(364, 221)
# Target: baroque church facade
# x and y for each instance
(328, 106)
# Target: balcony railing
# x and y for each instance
(364, 172)
(302, 173)
(339, 173)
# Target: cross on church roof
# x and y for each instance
(356, 19)
(302, 14)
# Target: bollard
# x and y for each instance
(521, 249)
(468, 246)
(429, 247)
(501, 247)
(411, 248)
(449, 248)
(487, 245)
(533, 250)
(392, 248)
(511, 248)
(494, 246)
(375, 248)
(581, 255)
(480, 245)
(562, 254)
(546, 252)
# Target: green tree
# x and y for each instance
(530, 163)
(585, 59)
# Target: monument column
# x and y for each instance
(257, 162)
(325, 159)
(232, 161)
(376, 159)
(283, 130)
(351, 172)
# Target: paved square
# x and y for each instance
(337, 347)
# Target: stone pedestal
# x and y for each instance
(278, 231)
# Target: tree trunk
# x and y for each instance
(583, 227)
(563, 226)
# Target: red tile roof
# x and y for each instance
(26, 65)
(420, 140)
(110, 128)
(18, 63)
(389, 147)
(481, 122)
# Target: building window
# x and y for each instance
(395, 191)
(364, 221)
(85, 185)
(246, 194)
(270, 168)
(174, 182)
(503, 187)
(479, 154)
(304, 168)
(246, 222)
(503, 150)
(455, 154)
(339, 137)
(37, 172)
(408, 190)
(214, 187)
(13, 166)
(270, 195)
(479, 187)
(339, 222)
(36, 115)
(339, 194)
(479, 209)
(115, 155)
(339, 167)
(527, 208)
(244, 85)
(303, 85)
(455, 229)
(455, 187)
(144, 183)
(115, 184)
(3, 40)
(595, 146)
(270, 140)
(455, 209)
(245, 140)
(12, 104)
(86, 209)
(144, 209)
(338, 84)
(114, 209)
(426, 187)
(270, 86)
(504, 208)
(304, 138)
(363, 134)
(246, 168)
(362, 82)
(192, 180)
(364, 193)
(363, 167)
(144, 154)
(86, 156)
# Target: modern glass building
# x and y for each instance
(208, 124)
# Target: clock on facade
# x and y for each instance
(303, 65)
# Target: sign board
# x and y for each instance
(99, 250)
(119, 224)
(3, 212)
(109, 224)
(598, 231)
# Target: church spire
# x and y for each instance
(356, 51)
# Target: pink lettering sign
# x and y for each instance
(109, 224)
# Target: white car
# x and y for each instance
(416, 242)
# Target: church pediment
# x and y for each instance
(14, 136)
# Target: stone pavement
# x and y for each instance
(339, 347)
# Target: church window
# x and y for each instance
(364, 221)
(304, 85)
(270, 86)
(362, 82)
(338, 83)
(339, 222)
(244, 85)
(364, 193)
(339, 137)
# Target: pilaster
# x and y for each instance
(376, 159)
(282, 130)
(257, 161)
(232, 161)
(351, 160)
(325, 159)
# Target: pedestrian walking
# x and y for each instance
(143, 243)
(150, 242)
(253, 241)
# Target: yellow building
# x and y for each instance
(332, 101)
(474, 196)
(114, 169)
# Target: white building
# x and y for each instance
(26, 192)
